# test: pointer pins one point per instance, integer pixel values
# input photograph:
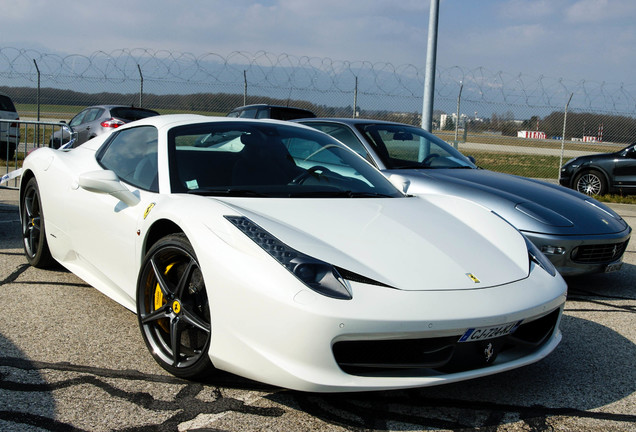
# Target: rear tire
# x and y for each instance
(34, 241)
(590, 183)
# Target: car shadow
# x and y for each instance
(21, 380)
(618, 285)
(10, 233)
(579, 376)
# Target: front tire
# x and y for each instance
(591, 183)
(173, 308)
(34, 241)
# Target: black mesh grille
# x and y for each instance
(601, 253)
(431, 356)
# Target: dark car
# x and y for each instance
(9, 130)
(99, 119)
(602, 173)
(271, 111)
(577, 233)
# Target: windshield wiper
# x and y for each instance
(413, 166)
(338, 194)
(226, 192)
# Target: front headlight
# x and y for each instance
(571, 164)
(539, 258)
(318, 275)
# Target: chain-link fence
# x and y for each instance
(509, 122)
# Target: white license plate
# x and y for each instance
(483, 333)
(615, 266)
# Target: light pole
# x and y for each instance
(429, 79)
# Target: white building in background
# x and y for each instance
(531, 134)
(463, 119)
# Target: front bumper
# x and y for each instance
(565, 180)
(292, 342)
(580, 255)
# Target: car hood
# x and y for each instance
(426, 243)
(530, 205)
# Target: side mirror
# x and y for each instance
(472, 159)
(107, 182)
(400, 182)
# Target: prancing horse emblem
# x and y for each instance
(489, 352)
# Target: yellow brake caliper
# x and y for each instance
(160, 300)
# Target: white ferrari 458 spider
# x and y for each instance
(240, 251)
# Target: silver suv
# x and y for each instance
(9, 131)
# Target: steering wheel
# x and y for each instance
(300, 179)
(428, 159)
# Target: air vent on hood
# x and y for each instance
(543, 214)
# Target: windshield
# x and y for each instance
(404, 147)
(268, 160)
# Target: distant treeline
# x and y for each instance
(615, 128)
(199, 102)
(610, 128)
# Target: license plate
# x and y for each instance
(615, 266)
(483, 333)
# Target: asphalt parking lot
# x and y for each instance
(73, 360)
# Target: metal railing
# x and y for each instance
(27, 136)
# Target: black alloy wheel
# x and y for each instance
(173, 308)
(34, 241)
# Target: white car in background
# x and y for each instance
(239, 252)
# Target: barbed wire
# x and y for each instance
(263, 69)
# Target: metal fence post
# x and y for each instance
(565, 118)
(37, 103)
(459, 99)
(244, 87)
(355, 98)
(141, 87)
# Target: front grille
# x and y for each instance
(432, 356)
(599, 253)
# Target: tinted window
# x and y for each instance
(79, 118)
(283, 113)
(92, 115)
(6, 104)
(132, 155)
(402, 146)
(343, 134)
(265, 160)
(248, 113)
(131, 114)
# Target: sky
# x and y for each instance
(592, 40)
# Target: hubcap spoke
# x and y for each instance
(163, 284)
(195, 321)
(185, 278)
(162, 312)
(175, 340)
